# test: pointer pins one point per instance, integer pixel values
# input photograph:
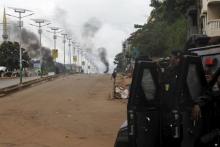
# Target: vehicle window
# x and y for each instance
(193, 82)
(148, 85)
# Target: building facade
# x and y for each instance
(204, 18)
(210, 17)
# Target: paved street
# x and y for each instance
(73, 111)
(9, 82)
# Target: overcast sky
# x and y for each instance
(117, 18)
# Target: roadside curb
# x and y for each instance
(7, 78)
(17, 87)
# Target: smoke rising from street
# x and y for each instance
(31, 44)
(89, 30)
(88, 33)
(103, 58)
(77, 13)
(91, 27)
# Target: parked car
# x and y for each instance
(2, 70)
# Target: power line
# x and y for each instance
(64, 48)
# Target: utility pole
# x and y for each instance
(74, 50)
(64, 49)
(54, 31)
(81, 57)
(82, 60)
(20, 25)
(86, 61)
(70, 54)
(40, 22)
(89, 65)
(78, 54)
(74, 45)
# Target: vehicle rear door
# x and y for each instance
(143, 106)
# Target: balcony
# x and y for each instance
(213, 1)
(203, 6)
(213, 28)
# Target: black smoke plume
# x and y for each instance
(30, 42)
(103, 58)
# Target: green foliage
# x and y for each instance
(9, 56)
(166, 30)
(119, 61)
(151, 41)
(155, 3)
(177, 35)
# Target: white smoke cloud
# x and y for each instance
(117, 17)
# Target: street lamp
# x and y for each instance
(74, 52)
(54, 31)
(64, 48)
(20, 25)
(69, 39)
(82, 60)
(40, 22)
(80, 56)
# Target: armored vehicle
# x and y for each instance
(161, 101)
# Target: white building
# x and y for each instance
(204, 18)
(210, 17)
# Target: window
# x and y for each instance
(193, 82)
(148, 85)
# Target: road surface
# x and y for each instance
(75, 111)
(9, 82)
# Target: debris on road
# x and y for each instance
(121, 88)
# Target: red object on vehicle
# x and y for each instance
(209, 61)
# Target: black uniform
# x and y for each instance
(210, 105)
(114, 74)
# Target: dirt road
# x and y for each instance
(75, 111)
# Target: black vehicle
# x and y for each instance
(157, 117)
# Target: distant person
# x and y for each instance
(114, 75)
(38, 73)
